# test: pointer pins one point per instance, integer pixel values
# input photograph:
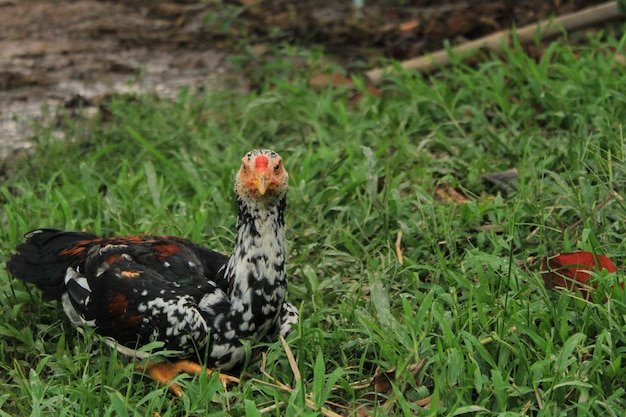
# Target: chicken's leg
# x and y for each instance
(165, 372)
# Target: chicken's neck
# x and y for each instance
(256, 268)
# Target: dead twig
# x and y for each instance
(568, 22)
(292, 360)
(399, 248)
(298, 377)
(601, 204)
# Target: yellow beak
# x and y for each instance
(261, 184)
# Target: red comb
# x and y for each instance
(261, 161)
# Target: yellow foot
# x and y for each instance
(165, 372)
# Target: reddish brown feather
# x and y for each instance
(134, 319)
(80, 249)
(166, 250)
(130, 274)
(117, 303)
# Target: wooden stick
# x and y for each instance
(548, 29)
(292, 360)
(399, 248)
(601, 204)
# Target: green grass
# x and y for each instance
(468, 302)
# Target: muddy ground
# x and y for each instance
(72, 53)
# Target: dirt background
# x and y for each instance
(70, 54)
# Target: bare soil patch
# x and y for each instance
(71, 53)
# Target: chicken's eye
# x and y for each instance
(277, 167)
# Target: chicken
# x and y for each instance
(135, 290)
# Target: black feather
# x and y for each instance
(38, 260)
(78, 294)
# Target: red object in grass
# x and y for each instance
(573, 270)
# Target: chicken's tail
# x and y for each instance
(44, 257)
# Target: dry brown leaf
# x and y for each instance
(415, 368)
(449, 194)
(407, 27)
(425, 402)
(381, 382)
(363, 411)
(321, 81)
